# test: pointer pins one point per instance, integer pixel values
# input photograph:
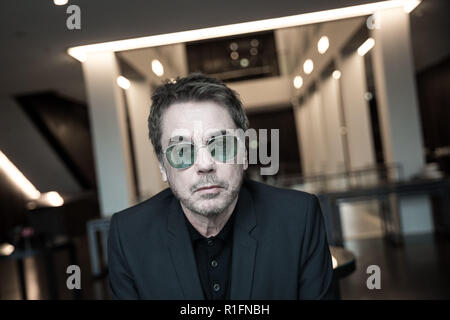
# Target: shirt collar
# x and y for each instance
(224, 234)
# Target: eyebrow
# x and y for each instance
(216, 133)
(176, 139)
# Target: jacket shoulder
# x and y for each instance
(262, 192)
(280, 205)
(151, 208)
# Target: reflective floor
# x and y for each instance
(416, 270)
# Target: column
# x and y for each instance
(115, 181)
(148, 174)
(356, 111)
(398, 110)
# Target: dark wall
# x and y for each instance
(65, 125)
(284, 120)
(12, 206)
(433, 87)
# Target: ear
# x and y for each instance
(163, 172)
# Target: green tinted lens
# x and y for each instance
(223, 148)
(181, 156)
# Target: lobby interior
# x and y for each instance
(358, 91)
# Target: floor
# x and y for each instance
(36, 277)
(416, 270)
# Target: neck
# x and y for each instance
(209, 226)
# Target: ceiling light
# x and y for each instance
(123, 82)
(233, 46)
(244, 63)
(6, 249)
(157, 68)
(80, 52)
(308, 66)
(254, 43)
(336, 74)
(366, 46)
(18, 178)
(323, 44)
(60, 2)
(53, 199)
(298, 82)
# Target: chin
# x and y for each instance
(210, 208)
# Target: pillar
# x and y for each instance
(115, 183)
(398, 110)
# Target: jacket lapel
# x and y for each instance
(244, 247)
(182, 254)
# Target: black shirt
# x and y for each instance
(213, 258)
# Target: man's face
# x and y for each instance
(197, 122)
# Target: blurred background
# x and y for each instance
(360, 91)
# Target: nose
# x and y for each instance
(204, 162)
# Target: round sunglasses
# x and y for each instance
(182, 155)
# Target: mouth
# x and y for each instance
(213, 188)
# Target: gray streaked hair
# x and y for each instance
(194, 87)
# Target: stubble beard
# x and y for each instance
(206, 207)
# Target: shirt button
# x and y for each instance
(214, 263)
(210, 242)
(216, 287)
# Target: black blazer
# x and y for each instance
(280, 248)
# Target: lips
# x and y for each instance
(208, 188)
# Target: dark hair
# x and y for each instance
(194, 87)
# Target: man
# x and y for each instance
(213, 234)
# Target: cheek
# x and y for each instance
(229, 172)
(182, 180)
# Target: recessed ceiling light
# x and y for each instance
(157, 67)
(244, 62)
(298, 82)
(254, 43)
(60, 2)
(53, 199)
(233, 46)
(123, 82)
(308, 66)
(336, 74)
(323, 44)
(366, 46)
(6, 249)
